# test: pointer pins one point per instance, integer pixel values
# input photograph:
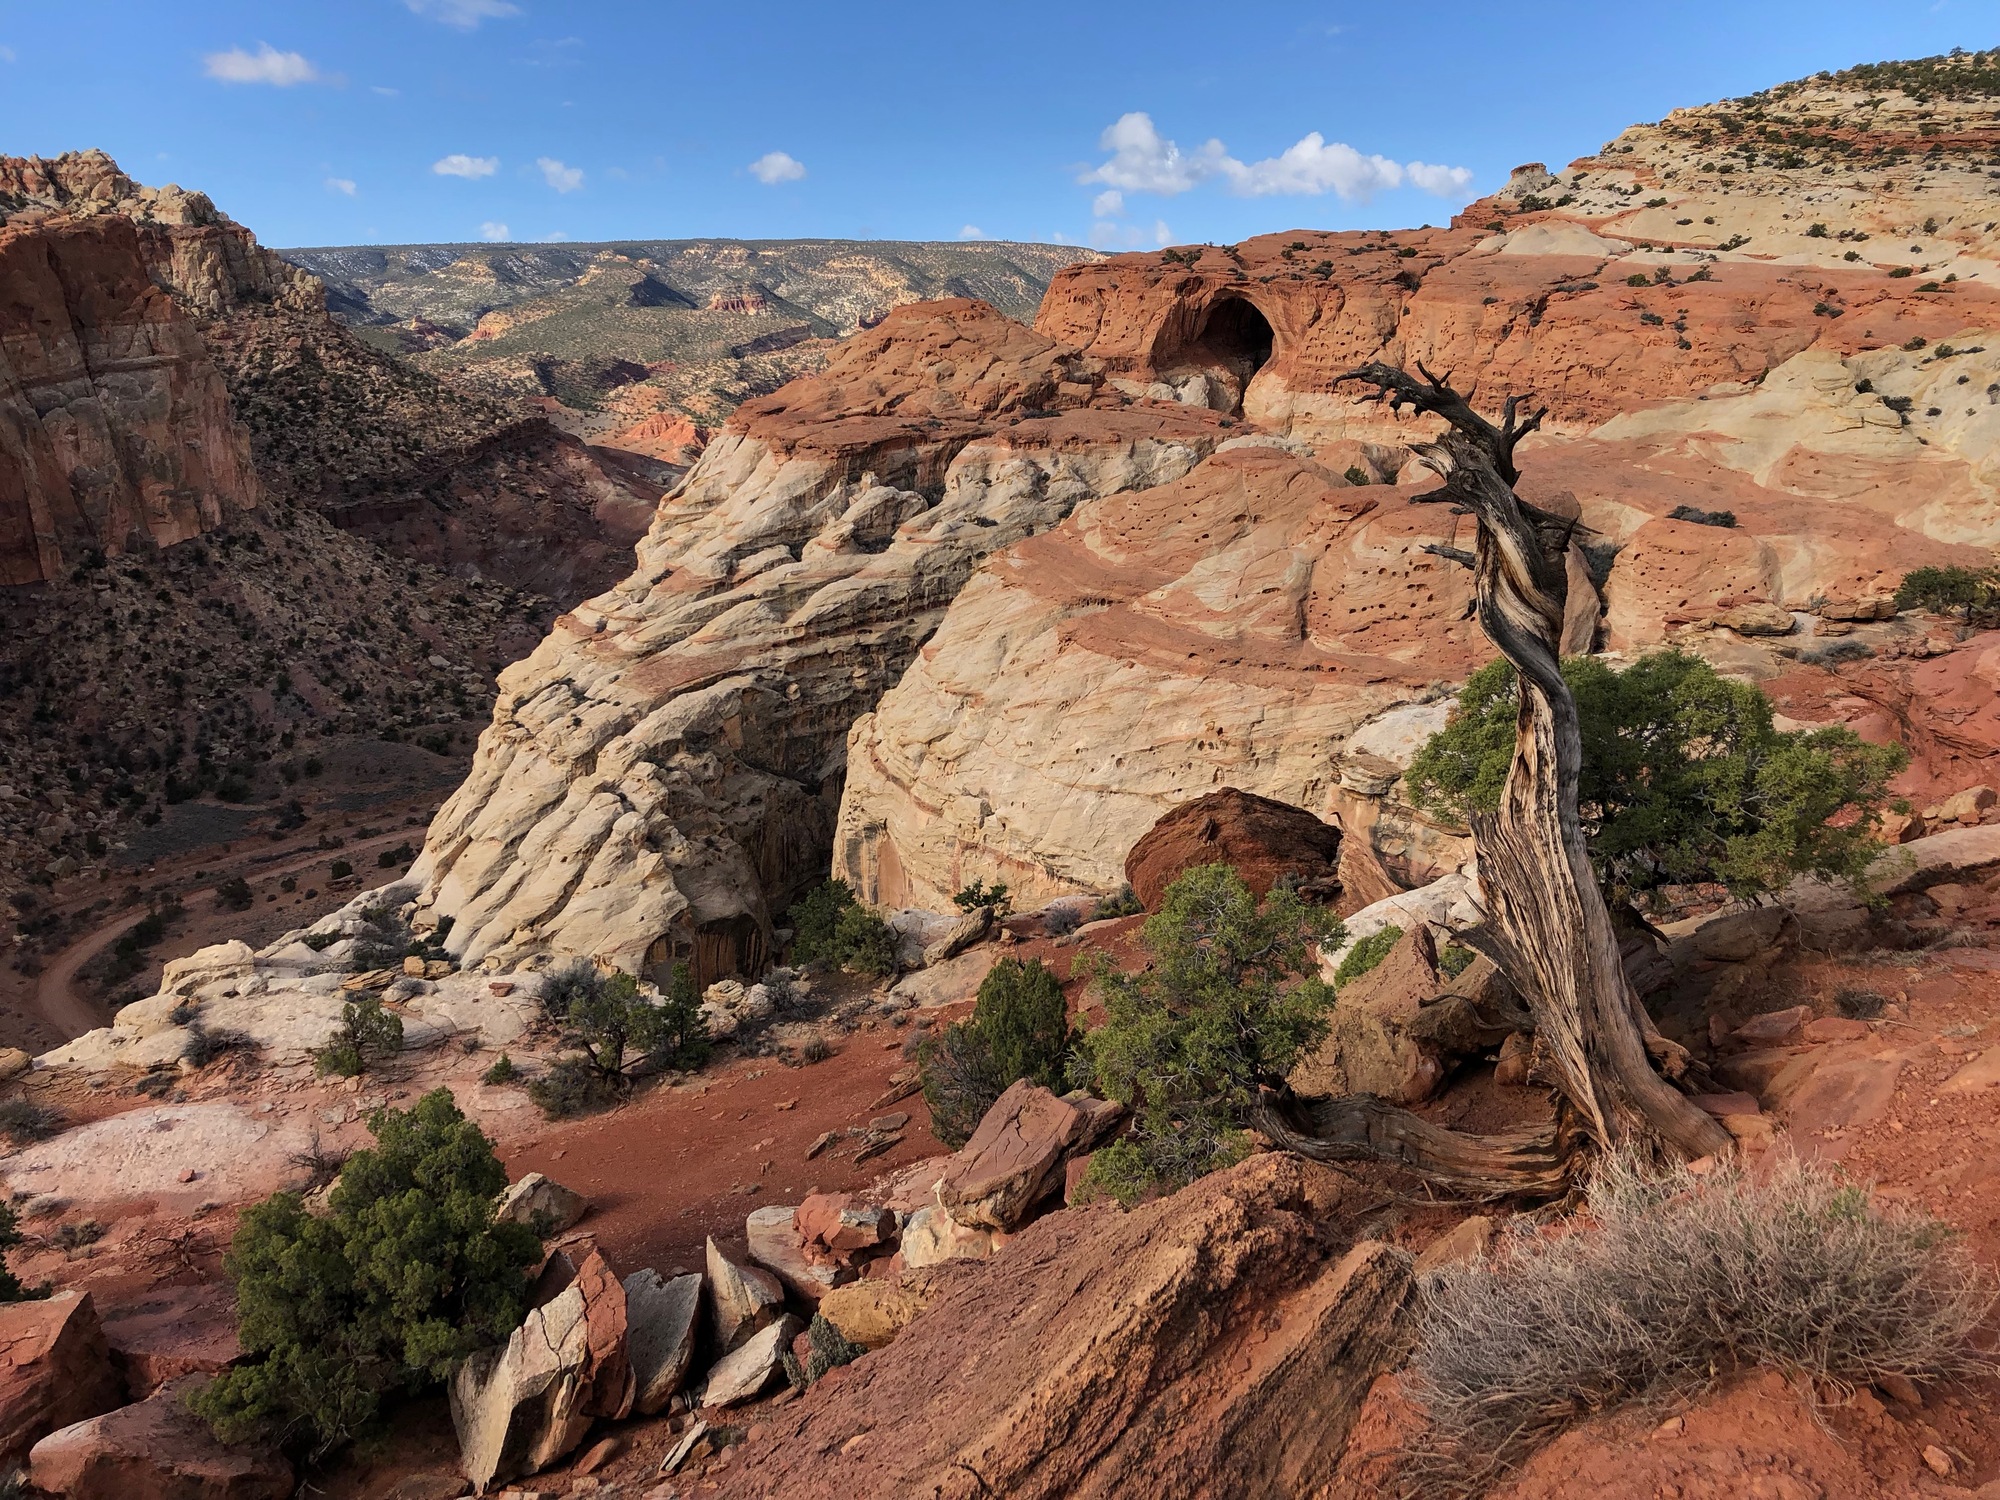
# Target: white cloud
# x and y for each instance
(386, 93)
(1312, 167)
(1444, 182)
(555, 236)
(494, 230)
(1108, 235)
(458, 164)
(8, 54)
(464, 14)
(563, 179)
(972, 232)
(266, 65)
(774, 167)
(341, 185)
(1144, 161)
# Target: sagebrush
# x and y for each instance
(1672, 1283)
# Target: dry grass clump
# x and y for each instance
(1677, 1282)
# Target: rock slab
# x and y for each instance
(663, 1317)
(154, 1450)
(520, 1407)
(55, 1369)
(1205, 1344)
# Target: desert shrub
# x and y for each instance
(814, 919)
(340, 869)
(234, 894)
(1685, 779)
(502, 1071)
(319, 942)
(830, 1348)
(205, 1045)
(1454, 959)
(76, 1234)
(367, 1033)
(1676, 1282)
(979, 894)
(614, 1026)
(1019, 1028)
(574, 1086)
(1366, 955)
(1228, 1004)
(1859, 1004)
(320, 1162)
(404, 1275)
(1061, 921)
(566, 986)
(1125, 904)
(1969, 592)
(23, 1120)
(11, 1289)
(1833, 653)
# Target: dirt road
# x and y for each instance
(58, 1005)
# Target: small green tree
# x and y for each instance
(405, 1274)
(832, 928)
(979, 894)
(814, 919)
(1019, 1028)
(367, 1034)
(1685, 778)
(11, 1289)
(1970, 592)
(1229, 1003)
(606, 1016)
(864, 944)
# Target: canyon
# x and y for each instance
(1746, 414)
(969, 600)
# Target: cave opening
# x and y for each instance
(1236, 337)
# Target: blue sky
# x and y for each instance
(1121, 124)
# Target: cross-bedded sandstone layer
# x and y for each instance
(1206, 564)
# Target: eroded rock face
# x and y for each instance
(115, 425)
(55, 1369)
(1235, 627)
(1210, 1343)
(661, 774)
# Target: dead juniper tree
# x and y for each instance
(1547, 926)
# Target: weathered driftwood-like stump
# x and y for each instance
(1547, 925)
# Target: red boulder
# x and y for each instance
(1260, 839)
(55, 1369)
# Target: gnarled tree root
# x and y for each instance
(1362, 1128)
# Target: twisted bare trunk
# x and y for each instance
(1548, 928)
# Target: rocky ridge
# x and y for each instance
(381, 448)
(663, 772)
(687, 329)
(1751, 407)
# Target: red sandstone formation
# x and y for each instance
(1262, 840)
(115, 426)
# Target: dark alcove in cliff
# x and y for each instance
(1234, 336)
